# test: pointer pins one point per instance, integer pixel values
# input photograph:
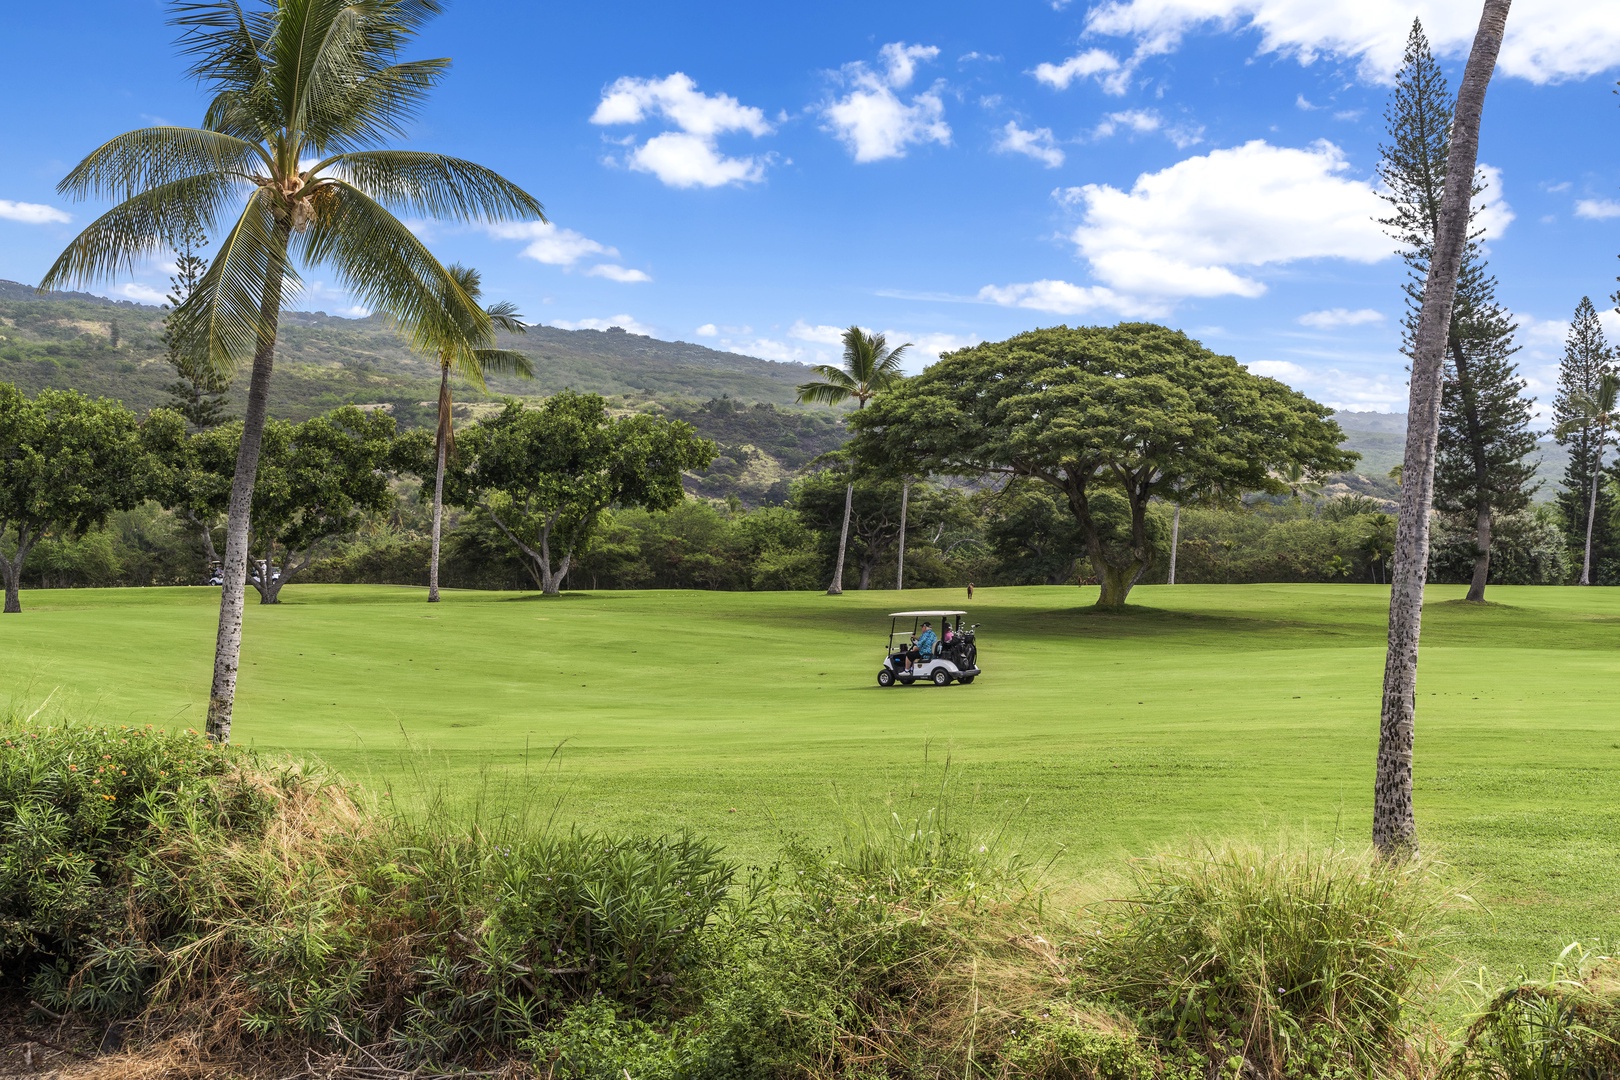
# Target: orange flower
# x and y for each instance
(73, 768)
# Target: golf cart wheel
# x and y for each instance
(886, 677)
(964, 680)
(942, 677)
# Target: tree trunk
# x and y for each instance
(905, 505)
(1116, 585)
(1591, 515)
(228, 641)
(205, 533)
(1394, 825)
(1175, 541)
(11, 570)
(837, 586)
(1482, 555)
(867, 566)
(443, 440)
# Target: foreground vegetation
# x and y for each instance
(259, 910)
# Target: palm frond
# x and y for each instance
(223, 321)
(505, 316)
(503, 362)
(139, 160)
(137, 228)
(388, 268)
(831, 392)
(435, 185)
(227, 41)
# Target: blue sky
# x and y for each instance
(754, 176)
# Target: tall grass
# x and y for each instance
(1272, 962)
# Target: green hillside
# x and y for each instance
(1380, 439)
(115, 349)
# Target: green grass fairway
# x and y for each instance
(1206, 711)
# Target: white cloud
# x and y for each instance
(141, 294)
(1037, 144)
(708, 329)
(549, 243)
(1491, 211)
(873, 121)
(1334, 317)
(627, 323)
(1065, 298)
(1277, 369)
(1597, 209)
(1111, 74)
(1189, 229)
(689, 157)
(1147, 121)
(821, 335)
(614, 272)
(685, 161)
(33, 213)
(1547, 40)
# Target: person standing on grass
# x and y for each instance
(970, 590)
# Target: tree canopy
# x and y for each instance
(66, 462)
(1136, 409)
(545, 474)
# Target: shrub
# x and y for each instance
(1294, 964)
(1565, 1028)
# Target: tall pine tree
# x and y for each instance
(1485, 435)
(1587, 356)
(199, 396)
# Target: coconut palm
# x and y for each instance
(870, 367)
(460, 352)
(1599, 415)
(281, 168)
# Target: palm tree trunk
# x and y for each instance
(1394, 825)
(905, 505)
(1591, 515)
(228, 641)
(1175, 542)
(837, 586)
(443, 440)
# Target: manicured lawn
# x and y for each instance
(1205, 712)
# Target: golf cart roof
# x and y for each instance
(922, 614)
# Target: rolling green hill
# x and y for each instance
(1380, 439)
(115, 349)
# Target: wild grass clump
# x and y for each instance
(1269, 963)
(1566, 1027)
(150, 873)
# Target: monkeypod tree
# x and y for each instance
(317, 481)
(190, 472)
(1136, 409)
(544, 475)
(66, 462)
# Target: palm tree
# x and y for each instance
(461, 351)
(1597, 414)
(300, 89)
(870, 367)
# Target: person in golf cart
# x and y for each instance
(923, 647)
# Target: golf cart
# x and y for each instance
(958, 661)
